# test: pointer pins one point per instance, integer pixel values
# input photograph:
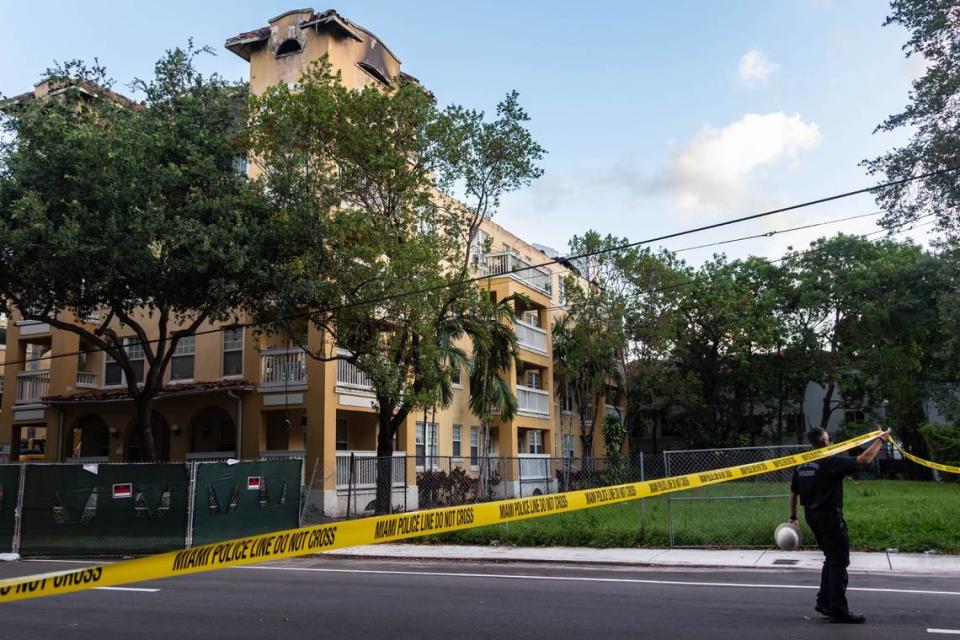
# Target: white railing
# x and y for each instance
(350, 377)
(534, 466)
(531, 336)
(533, 401)
(283, 368)
(365, 469)
(498, 264)
(86, 379)
(32, 385)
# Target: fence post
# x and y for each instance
(643, 502)
(666, 474)
(18, 511)
(353, 462)
(191, 501)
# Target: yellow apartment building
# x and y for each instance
(230, 393)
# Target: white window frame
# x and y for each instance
(535, 441)
(457, 382)
(456, 447)
(568, 445)
(474, 447)
(566, 400)
(427, 436)
(536, 381)
(129, 342)
(186, 348)
(224, 350)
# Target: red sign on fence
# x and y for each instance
(253, 483)
(123, 490)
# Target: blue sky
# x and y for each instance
(657, 116)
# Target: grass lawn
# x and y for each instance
(881, 514)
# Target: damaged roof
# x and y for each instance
(244, 43)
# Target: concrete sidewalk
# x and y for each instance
(905, 563)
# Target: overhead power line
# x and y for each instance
(559, 260)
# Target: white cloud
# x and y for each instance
(716, 168)
(755, 67)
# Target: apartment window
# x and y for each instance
(561, 291)
(233, 351)
(536, 441)
(568, 446)
(181, 364)
(343, 435)
(566, 400)
(426, 444)
(457, 441)
(533, 379)
(474, 446)
(113, 374)
(854, 416)
(456, 377)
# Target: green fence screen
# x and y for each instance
(107, 509)
(245, 498)
(9, 484)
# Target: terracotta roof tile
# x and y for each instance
(102, 395)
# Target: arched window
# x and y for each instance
(289, 46)
(90, 438)
(212, 430)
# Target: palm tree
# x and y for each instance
(495, 351)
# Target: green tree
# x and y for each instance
(365, 181)
(134, 212)
(930, 118)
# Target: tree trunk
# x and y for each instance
(144, 409)
(827, 406)
(385, 433)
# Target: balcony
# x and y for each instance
(535, 466)
(505, 263)
(365, 469)
(350, 378)
(533, 401)
(531, 336)
(32, 385)
(283, 368)
(86, 380)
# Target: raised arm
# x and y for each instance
(870, 454)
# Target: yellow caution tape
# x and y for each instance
(926, 463)
(310, 540)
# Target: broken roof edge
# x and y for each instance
(329, 16)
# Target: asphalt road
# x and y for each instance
(325, 598)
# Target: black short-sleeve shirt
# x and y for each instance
(820, 484)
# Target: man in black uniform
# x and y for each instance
(819, 486)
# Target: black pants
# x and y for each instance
(830, 530)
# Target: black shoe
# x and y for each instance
(822, 610)
(847, 617)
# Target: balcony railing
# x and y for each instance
(365, 469)
(611, 410)
(32, 385)
(505, 263)
(283, 368)
(534, 466)
(531, 336)
(86, 379)
(350, 377)
(534, 401)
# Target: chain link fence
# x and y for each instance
(741, 513)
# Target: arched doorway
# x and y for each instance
(213, 430)
(161, 439)
(90, 438)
